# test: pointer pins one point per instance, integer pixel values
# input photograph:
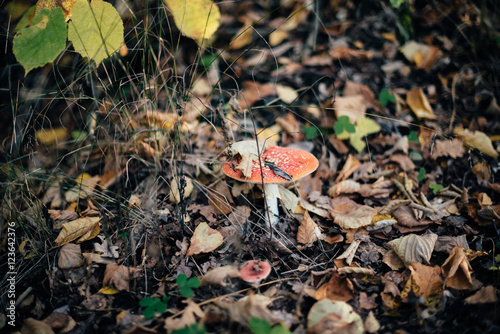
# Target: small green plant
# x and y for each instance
(153, 305)
(497, 261)
(421, 174)
(413, 137)
(186, 285)
(386, 96)
(435, 187)
(310, 131)
(262, 326)
(191, 329)
(343, 123)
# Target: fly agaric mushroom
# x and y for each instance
(255, 271)
(279, 165)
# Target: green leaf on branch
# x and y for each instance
(42, 42)
(95, 29)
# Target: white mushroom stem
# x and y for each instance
(272, 193)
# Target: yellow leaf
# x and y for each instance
(197, 19)
(418, 103)
(51, 136)
(204, 240)
(84, 188)
(84, 228)
(476, 139)
(107, 290)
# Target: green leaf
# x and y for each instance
(280, 329)
(149, 312)
(397, 3)
(148, 301)
(193, 282)
(191, 329)
(364, 127)
(95, 29)
(413, 136)
(310, 131)
(259, 326)
(421, 174)
(79, 135)
(181, 280)
(497, 258)
(24, 21)
(386, 97)
(342, 124)
(41, 43)
(187, 292)
(435, 187)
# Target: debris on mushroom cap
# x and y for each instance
(255, 271)
(248, 154)
(294, 162)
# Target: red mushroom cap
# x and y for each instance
(255, 271)
(294, 162)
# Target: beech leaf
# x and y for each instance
(414, 248)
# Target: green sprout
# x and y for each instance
(153, 305)
(187, 285)
(262, 326)
(191, 329)
(343, 123)
(386, 96)
(435, 187)
(413, 136)
(421, 174)
(310, 131)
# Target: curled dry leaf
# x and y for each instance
(353, 218)
(204, 240)
(84, 228)
(219, 275)
(356, 270)
(414, 248)
(477, 140)
(70, 256)
(63, 215)
(327, 316)
(418, 103)
(344, 187)
(371, 323)
(84, 188)
(188, 317)
(337, 288)
(187, 188)
(248, 152)
(351, 165)
(457, 270)
(425, 281)
(406, 217)
(309, 231)
(117, 276)
(248, 307)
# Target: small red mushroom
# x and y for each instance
(255, 271)
(279, 165)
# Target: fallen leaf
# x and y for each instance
(117, 276)
(365, 302)
(286, 94)
(418, 103)
(353, 106)
(457, 270)
(371, 323)
(204, 240)
(188, 317)
(32, 326)
(414, 248)
(485, 295)
(247, 152)
(425, 281)
(105, 249)
(477, 140)
(51, 136)
(186, 187)
(70, 256)
(448, 148)
(84, 228)
(423, 55)
(308, 232)
(84, 188)
(392, 260)
(60, 322)
(351, 165)
(197, 19)
(253, 92)
(218, 276)
(327, 316)
(353, 218)
(344, 187)
(243, 37)
(220, 199)
(253, 305)
(337, 288)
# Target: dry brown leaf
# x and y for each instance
(220, 198)
(188, 317)
(84, 188)
(477, 140)
(253, 92)
(353, 107)
(342, 52)
(175, 196)
(312, 208)
(62, 215)
(60, 322)
(344, 187)
(337, 288)
(448, 148)
(418, 103)
(333, 317)
(447, 243)
(250, 306)
(365, 302)
(414, 248)
(117, 276)
(356, 270)
(403, 161)
(425, 281)
(482, 172)
(349, 253)
(309, 231)
(406, 217)
(392, 260)
(487, 294)
(353, 218)
(32, 326)
(84, 228)
(277, 36)
(457, 270)
(248, 152)
(204, 240)
(219, 275)
(371, 323)
(286, 94)
(243, 37)
(351, 165)
(70, 256)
